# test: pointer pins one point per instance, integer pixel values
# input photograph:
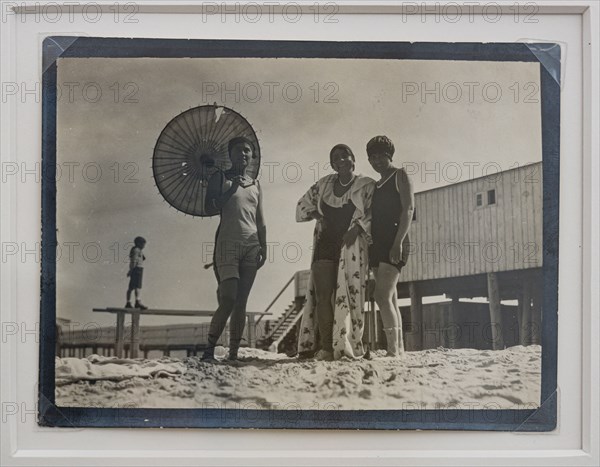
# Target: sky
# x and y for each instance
(449, 120)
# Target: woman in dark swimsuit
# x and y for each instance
(330, 202)
(392, 210)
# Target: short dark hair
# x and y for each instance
(239, 140)
(343, 147)
(380, 144)
(139, 241)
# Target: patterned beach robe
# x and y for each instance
(353, 270)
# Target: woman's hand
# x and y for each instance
(261, 259)
(236, 182)
(396, 252)
(351, 235)
(321, 223)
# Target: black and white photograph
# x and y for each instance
(319, 234)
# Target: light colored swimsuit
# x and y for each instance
(237, 238)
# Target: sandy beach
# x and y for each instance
(428, 379)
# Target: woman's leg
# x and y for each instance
(325, 281)
(226, 293)
(238, 317)
(386, 281)
(399, 315)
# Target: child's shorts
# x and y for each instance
(231, 256)
(135, 278)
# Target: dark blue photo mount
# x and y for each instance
(543, 418)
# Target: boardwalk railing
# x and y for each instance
(192, 338)
(134, 344)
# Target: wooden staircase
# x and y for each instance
(283, 326)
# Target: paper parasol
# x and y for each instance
(191, 148)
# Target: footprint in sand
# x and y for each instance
(490, 387)
(486, 364)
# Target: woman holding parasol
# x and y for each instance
(240, 247)
(205, 163)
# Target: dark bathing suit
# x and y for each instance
(385, 214)
(337, 221)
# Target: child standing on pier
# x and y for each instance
(136, 272)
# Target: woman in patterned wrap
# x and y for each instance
(339, 271)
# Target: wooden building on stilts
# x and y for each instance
(478, 238)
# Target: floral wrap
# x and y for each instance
(353, 269)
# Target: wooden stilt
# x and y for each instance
(452, 332)
(495, 311)
(416, 318)
(525, 312)
(373, 343)
(536, 315)
(251, 331)
(135, 335)
(120, 334)
(520, 317)
(442, 325)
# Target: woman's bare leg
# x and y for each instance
(325, 281)
(386, 281)
(226, 293)
(238, 316)
(399, 315)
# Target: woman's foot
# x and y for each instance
(393, 349)
(208, 356)
(324, 356)
(306, 355)
(140, 306)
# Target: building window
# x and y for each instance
(491, 195)
(479, 200)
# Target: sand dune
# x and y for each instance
(429, 379)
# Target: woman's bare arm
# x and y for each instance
(407, 198)
(261, 227)
(215, 197)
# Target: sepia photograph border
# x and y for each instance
(542, 419)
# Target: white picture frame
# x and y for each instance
(575, 441)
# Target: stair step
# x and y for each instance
(282, 326)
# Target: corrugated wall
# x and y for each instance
(453, 237)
